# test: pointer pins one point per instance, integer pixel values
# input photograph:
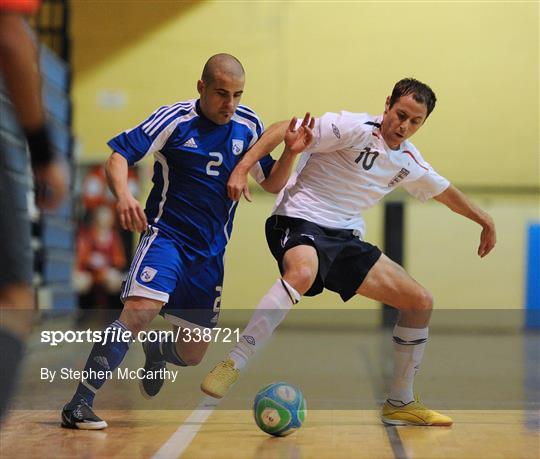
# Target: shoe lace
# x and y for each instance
(77, 412)
(83, 402)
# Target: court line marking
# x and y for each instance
(182, 438)
(391, 431)
(396, 443)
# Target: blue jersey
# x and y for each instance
(194, 158)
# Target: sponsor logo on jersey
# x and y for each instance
(398, 177)
(237, 146)
(148, 274)
(335, 130)
(190, 143)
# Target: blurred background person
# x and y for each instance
(20, 75)
(100, 263)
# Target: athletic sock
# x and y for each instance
(165, 350)
(409, 345)
(103, 358)
(12, 349)
(269, 313)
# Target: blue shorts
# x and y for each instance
(190, 286)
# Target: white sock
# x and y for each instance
(409, 345)
(269, 313)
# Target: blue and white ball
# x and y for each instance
(279, 409)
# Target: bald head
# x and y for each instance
(221, 87)
(222, 64)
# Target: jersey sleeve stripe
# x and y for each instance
(154, 115)
(171, 108)
(246, 108)
(164, 113)
(158, 114)
(181, 111)
(164, 135)
(240, 111)
(415, 160)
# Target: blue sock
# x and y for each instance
(165, 350)
(103, 358)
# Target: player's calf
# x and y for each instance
(269, 313)
(153, 375)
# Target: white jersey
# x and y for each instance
(349, 168)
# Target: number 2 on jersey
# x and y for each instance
(214, 164)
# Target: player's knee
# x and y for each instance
(136, 324)
(191, 358)
(138, 313)
(300, 278)
(425, 301)
(135, 321)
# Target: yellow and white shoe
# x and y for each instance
(218, 382)
(413, 413)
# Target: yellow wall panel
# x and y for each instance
(440, 253)
(481, 58)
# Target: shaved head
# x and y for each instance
(222, 64)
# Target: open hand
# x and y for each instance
(297, 140)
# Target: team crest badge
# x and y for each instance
(237, 146)
(148, 274)
(398, 177)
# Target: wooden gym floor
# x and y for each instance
(489, 384)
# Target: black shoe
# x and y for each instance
(150, 386)
(81, 417)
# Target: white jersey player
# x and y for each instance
(349, 168)
(350, 161)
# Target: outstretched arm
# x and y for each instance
(296, 141)
(456, 201)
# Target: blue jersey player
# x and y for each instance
(178, 266)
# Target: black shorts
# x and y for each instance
(344, 259)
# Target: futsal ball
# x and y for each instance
(279, 409)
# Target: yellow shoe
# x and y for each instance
(220, 379)
(413, 413)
